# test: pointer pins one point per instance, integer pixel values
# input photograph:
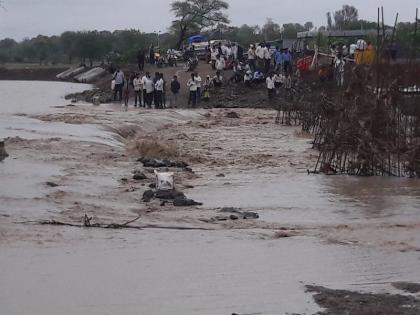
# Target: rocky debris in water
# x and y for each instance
(407, 287)
(169, 194)
(247, 215)
(220, 175)
(250, 215)
(340, 302)
(231, 210)
(184, 202)
(51, 184)
(3, 153)
(178, 198)
(138, 175)
(235, 214)
(281, 234)
(91, 96)
(148, 195)
(155, 163)
(234, 115)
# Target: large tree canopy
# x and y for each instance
(197, 15)
(271, 30)
(344, 17)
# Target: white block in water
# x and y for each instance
(90, 75)
(70, 72)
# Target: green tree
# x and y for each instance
(271, 30)
(197, 15)
(290, 30)
(329, 21)
(308, 26)
(7, 45)
(68, 43)
(346, 15)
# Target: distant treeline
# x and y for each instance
(122, 46)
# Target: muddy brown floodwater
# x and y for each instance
(351, 238)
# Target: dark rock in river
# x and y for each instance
(169, 194)
(182, 202)
(51, 184)
(139, 176)
(3, 153)
(232, 115)
(148, 195)
(155, 163)
(247, 215)
(250, 215)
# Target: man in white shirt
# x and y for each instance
(192, 85)
(248, 78)
(270, 86)
(252, 56)
(220, 63)
(278, 79)
(267, 59)
(339, 71)
(259, 51)
(143, 81)
(159, 92)
(119, 84)
(138, 89)
(235, 51)
(217, 79)
(213, 57)
(150, 89)
(198, 81)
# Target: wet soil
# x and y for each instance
(407, 287)
(342, 302)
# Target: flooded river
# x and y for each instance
(350, 233)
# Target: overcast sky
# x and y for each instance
(28, 18)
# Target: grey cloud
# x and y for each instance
(27, 18)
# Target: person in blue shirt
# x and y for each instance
(287, 61)
(277, 59)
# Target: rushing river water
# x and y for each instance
(193, 272)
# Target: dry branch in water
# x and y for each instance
(116, 226)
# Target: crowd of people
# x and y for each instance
(146, 90)
(258, 65)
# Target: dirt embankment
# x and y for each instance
(231, 95)
(342, 302)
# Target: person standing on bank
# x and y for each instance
(198, 81)
(159, 92)
(119, 84)
(252, 56)
(267, 58)
(192, 85)
(152, 54)
(175, 87)
(271, 88)
(140, 59)
(143, 81)
(149, 86)
(138, 90)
